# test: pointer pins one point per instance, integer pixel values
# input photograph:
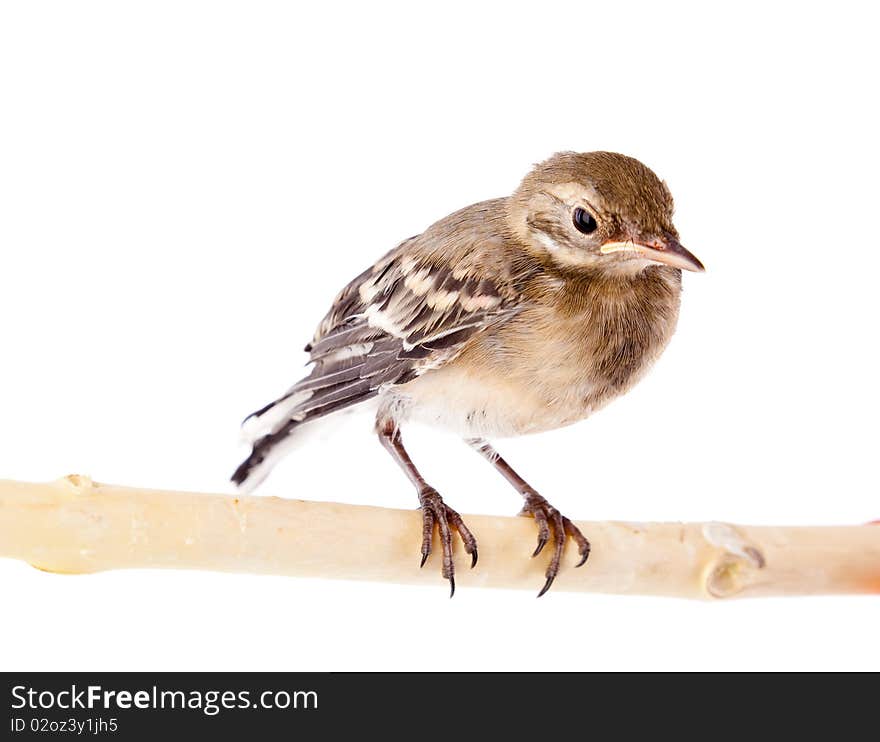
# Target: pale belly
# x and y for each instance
(474, 405)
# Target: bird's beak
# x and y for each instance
(668, 251)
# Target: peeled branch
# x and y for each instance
(76, 526)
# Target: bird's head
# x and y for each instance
(600, 211)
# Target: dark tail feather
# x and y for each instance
(259, 452)
(269, 444)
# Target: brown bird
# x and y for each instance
(510, 316)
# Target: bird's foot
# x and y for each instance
(434, 510)
(545, 516)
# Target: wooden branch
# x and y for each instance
(76, 526)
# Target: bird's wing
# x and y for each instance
(412, 311)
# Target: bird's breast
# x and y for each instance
(561, 358)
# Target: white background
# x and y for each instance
(184, 187)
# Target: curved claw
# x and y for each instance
(547, 585)
(542, 542)
(451, 586)
(474, 558)
(583, 545)
(427, 533)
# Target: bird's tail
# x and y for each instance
(266, 451)
(271, 429)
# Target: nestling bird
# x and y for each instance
(510, 316)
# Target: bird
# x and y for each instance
(511, 316)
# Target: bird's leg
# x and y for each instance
(434, 510)
(543, 512)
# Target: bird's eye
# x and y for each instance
(584, 221)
